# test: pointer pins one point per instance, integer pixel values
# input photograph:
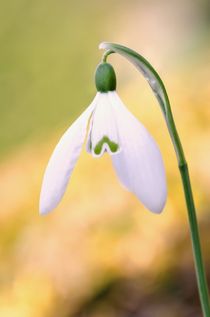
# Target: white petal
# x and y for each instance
(62, 162)
(103, 134)
(139, 165)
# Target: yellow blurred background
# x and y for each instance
(100, 253)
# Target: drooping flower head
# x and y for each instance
(108, 127)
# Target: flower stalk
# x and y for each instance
(159, 90)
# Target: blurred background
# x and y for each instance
(100, 253)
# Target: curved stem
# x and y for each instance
(106, 54)
(159, 90)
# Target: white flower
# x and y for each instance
(113, 129)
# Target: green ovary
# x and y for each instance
(112, 145)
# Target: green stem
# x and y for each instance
(194, 231)
(199, 267)
(159, 90)
(106, 54)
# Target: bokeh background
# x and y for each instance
(100, 253)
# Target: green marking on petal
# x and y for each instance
(112, 145)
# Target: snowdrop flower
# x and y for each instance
(113, 129)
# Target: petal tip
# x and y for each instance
(43, 211)
(158, 207)
(44, 208)
(156, 210)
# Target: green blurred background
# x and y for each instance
(100, 254)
